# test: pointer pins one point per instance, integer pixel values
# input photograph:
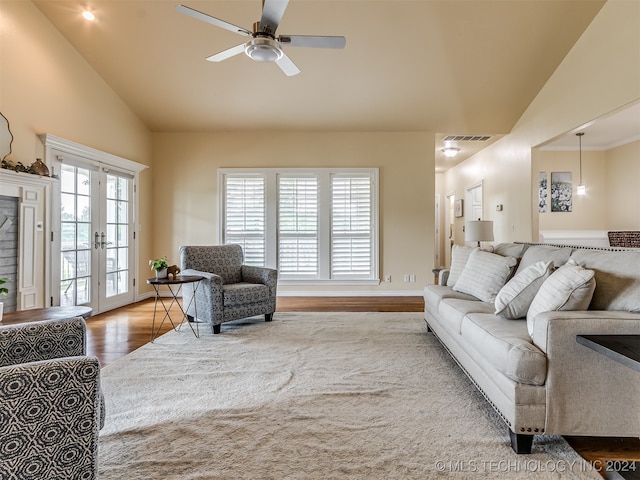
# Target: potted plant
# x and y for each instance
(160, 265)
(3, 291)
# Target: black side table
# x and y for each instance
(175, 286)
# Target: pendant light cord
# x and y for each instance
(580, 134)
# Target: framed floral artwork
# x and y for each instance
(561, 192)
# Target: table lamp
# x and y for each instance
(478, 231)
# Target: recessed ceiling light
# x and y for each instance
(88, 15)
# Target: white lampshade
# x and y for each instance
(478, 231)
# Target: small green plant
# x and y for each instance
(159, 264)
(3, 290)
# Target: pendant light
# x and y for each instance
(581, 190)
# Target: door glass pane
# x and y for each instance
(117, 235)
(75, 218)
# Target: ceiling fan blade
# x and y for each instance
(212, 20)
(312, 41)
(218, 57)
(287, 66)
(272, 12)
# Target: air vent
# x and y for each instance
(467, 138)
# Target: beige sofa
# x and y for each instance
(530, 367)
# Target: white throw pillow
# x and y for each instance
(484, 275)
(459, 256)
(570, 287)
(514, 298)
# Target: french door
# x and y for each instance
(96, 236)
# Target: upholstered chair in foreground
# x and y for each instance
(51, 406)
(230, 290)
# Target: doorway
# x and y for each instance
(96, 236)
(93, 242)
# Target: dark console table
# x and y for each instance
(621, 348)
(44, 314)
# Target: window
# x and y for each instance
(313, 225)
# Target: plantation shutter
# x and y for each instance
(298, 227)
(244, 216)
(351, 227)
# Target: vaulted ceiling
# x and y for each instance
(445, 66)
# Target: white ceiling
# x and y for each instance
(617, 128)
(453, 67)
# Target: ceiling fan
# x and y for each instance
(264, 46)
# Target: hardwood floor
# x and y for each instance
(113, 334)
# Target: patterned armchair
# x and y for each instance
(51, 407)
(230, 290)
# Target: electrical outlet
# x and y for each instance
(412, 278)
(387, 278)
(406, 278)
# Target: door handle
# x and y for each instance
(102, 242)
(96, 241)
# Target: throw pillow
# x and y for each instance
(514, 298)
(484, 275)
(459, 256)
(570, 287)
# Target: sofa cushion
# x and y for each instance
(544, 253)
(617, 277)
(243, 293)
(515, 250)
(514, 298)
(570, 287)
(484, 275)
(459, 257)
(453, 310)
(506, 346)
(433, 295)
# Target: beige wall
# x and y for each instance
(612, 198)
(599, 75)
(186, 199)
(47, 87)
(622, 189)
(589, 212)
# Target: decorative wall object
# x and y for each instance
(561, 191)
(457, 208)
(542, 192)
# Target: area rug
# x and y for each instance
(309, 396)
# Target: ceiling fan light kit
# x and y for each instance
(264, 46)
(263, 49)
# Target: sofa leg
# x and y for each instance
(520, 443)
(268, 317)
(216, 328)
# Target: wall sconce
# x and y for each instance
(581, 190)
(450, 152)
(478, 231)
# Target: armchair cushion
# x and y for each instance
(243, 293)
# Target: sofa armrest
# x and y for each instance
(35, 341)
(587, 392)
(52, 413)
(263, 275)
(443, 276)
(550, 327)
